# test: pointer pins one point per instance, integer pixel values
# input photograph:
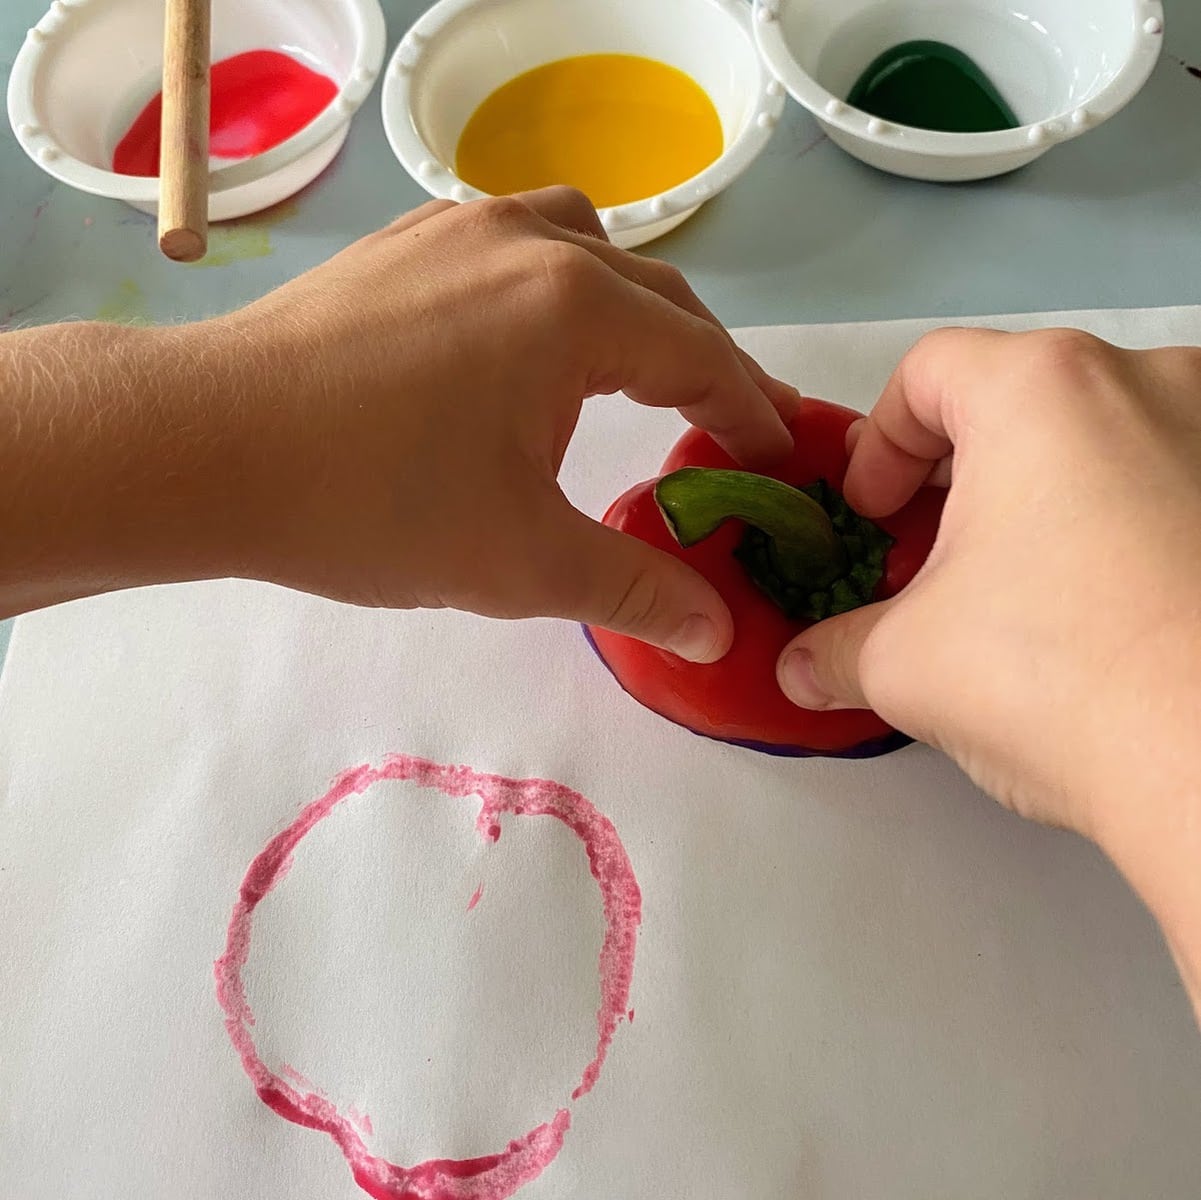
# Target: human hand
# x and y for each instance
(1054, 635)
(417, 394)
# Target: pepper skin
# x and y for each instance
(737, 699)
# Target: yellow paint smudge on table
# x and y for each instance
(617, 126)
(125, 305)
(240, 241)
(233, 244)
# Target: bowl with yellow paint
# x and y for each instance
(650, 108)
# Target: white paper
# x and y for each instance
(852, 979)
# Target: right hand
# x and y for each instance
(1052, 642)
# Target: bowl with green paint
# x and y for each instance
(951, 90)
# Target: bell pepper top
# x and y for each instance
(804, 547)
(798, 533)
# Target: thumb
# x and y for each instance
(820, 668)
(608, 578)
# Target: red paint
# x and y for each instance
(361, 1119)
(257, 100)
(294, 1076)
(494, 1176)
(475, 897)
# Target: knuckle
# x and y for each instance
(932, 343)
(923, 360)
(669, 280)
(841, 666)
(1073, 374)
(501, 212)
(1070, 350)
(568, 208)
(636, 608)
(570, 273)
(571, 199)
(713, 342)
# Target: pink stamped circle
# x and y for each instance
(493, 1176)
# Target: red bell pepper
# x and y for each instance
(792, 559)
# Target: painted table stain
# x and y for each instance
(617, 126)
(125, 305)
(930, 85)
(258, 99)
(238, 241)
(234, 243)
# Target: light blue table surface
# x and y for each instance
(807, 235)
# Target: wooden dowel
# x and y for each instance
(184, 157)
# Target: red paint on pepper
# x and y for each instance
(257, 100)
(738, 699)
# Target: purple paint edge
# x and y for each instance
(872, 748)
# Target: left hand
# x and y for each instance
(416, 396)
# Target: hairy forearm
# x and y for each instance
(121, 461)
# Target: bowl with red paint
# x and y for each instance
(287, 77)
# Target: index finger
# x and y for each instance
(915, 423)
(576, 221)
(663, 356)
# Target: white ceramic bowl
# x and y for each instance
(1064, 66)
(89, 66)
(460, 51)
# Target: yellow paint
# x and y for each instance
(616, 126)
(235, 243)
(238, 241)
(125, 304)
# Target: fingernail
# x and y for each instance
(695, 640)
(798, 681)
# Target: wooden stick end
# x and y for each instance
(183, 245)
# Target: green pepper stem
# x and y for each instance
(806, 551)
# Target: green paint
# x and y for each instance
(125, 304)
(929, 85)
